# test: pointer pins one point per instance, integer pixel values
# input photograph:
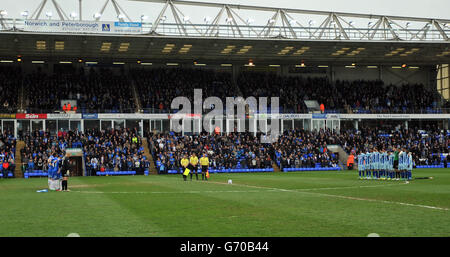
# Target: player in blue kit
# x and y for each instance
(53, 172)
(391, 170)
(386, 164)
(49, 172)
(382, 164)
(376, 166)
(410, 166)
(368, 165)
(361, 160)
(402, 163)
(57, 174)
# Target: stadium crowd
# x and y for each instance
(236, 150)
(306, 149)
(114, 150)
(10, 82)
(428, 146)
(158, 87)
(40, 145)
(357, 96)
(104, 90)
(7, 153)
(110, 150)
(98, 91)
(297, 148)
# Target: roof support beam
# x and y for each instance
(439, 28)
(215, 23)
(158, 19)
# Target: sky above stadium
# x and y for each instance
(412, 8)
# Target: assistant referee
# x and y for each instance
(193, 161)
(204, 162)
(184, 163)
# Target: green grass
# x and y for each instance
(275, 204)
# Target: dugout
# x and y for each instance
(76, 161)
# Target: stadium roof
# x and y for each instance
(151, 48)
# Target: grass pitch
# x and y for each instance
(260, 204)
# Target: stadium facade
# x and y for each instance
(337, 46)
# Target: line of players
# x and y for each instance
(384, 165)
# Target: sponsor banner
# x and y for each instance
(7, 115)
(333, 116)
(185, 116)
(135, 116)
(319, 115)
(394, 116)
(31, 115)
(90, 116)
(62, 116)
(295, 116)
(103, 27)
(74, 151)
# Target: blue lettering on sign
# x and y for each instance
(128, 24)
(319, 115)
(90, 116)
(106, 27)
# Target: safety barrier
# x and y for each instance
(311, 169)
(226, 170)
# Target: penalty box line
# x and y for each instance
(305, 191)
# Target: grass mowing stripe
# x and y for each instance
(343, 196)
(175, 192)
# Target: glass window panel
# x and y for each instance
(8, 127)
(91, 124)
(37, 125)
(50, 126)
(287, 125)
(63, 125)
(23, 128)
(119, 124)
(75, 124)
(106, 124)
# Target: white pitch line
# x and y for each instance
(174, 192)
(343, 196)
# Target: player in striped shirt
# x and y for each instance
(391, 170)
(368, 165)
(377, 165)
(382, 164)
(410, 166)
(361, 160)
(402, 163)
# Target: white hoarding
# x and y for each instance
(103, 27)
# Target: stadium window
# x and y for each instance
(442, 80)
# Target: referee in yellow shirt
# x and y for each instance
(184, 163)
(204, 162)
(193, 161)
